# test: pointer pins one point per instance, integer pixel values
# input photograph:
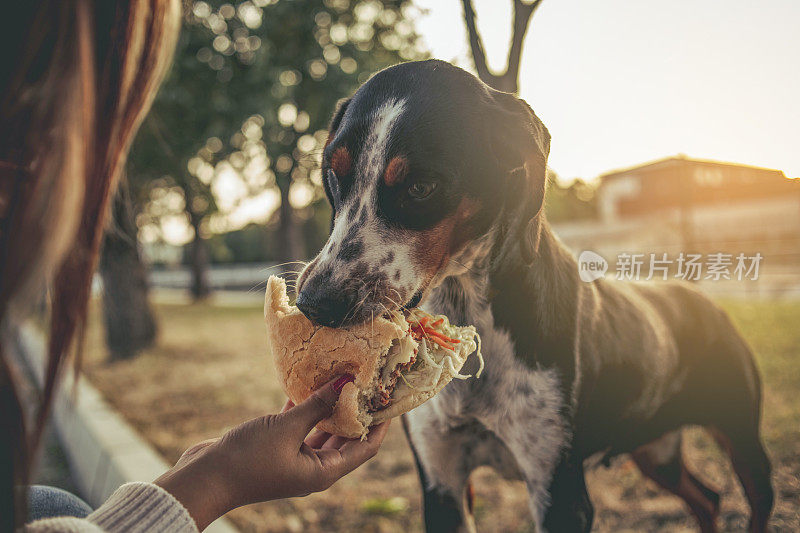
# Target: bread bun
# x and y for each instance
(307, 356)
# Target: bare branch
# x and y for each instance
(508, 80)
(476, 45)
(522, 16)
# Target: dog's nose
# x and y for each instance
(325, 309)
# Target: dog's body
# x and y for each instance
(576, 369)
(437, 184)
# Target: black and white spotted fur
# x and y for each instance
(573, 369)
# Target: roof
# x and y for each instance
(680, 157)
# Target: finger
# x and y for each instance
(318, 439)
(352, 453)
(334, 443)
(288, 405)
(303, 417)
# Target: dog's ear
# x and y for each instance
(522, 146)
(336, 120)
(341, 107)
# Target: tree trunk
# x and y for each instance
(129, 322)
(290, 233)
(198, 256)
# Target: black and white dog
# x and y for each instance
(437, 183)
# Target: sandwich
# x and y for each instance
(399, 360)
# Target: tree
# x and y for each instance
(575, 201)
(315, 53)
(248, 99)
(508, 80)
(129, 322)
(192, 110)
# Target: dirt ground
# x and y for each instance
(210, 370)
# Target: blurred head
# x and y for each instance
(422, 165)
(76, 78)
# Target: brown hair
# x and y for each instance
(77, 78)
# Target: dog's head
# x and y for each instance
(423, 160)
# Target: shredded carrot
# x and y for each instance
(421, 329)
(442, 343)
(441, 336)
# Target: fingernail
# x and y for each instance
(339, 384)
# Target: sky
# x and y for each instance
(620, 82)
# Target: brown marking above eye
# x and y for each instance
(341, 161)
(396, 171)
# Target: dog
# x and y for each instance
(437, 184)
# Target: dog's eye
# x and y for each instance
(421, 189)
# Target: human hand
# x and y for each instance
(268, 458)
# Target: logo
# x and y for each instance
(591, 266)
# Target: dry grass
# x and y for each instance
(210, 370)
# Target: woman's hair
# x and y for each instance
(76, 79)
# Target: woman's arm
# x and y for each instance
(133, 508)
(268, 458)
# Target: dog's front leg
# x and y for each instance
(443, 469)
(570, 509)
(525, 410)
(537, 455)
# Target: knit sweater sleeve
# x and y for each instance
(134, 508)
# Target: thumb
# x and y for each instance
(316, 407)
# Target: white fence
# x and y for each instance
(242, 277)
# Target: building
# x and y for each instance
(715, 201)
(684, 205)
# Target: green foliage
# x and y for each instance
(385, 506)
(770, 327)
(564, 203)
(245, 107)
